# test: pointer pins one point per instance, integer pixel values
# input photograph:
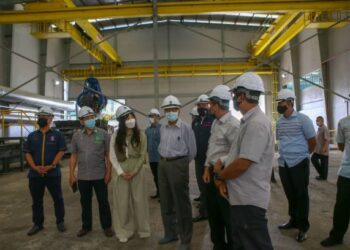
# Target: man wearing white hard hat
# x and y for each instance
(90, 149)
(223, 132)
(247, 167)
(43, 150)
(201, 126)
(297, 139)
(153, 140)
(177, 149)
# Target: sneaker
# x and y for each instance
(60, 227)
(288, 225)
(108, 232)
(197, 199)
(144, 235)
(167, 240)
(123, 240)
(154, 196)
(34, 230)
(83, 232)
(302, 236)
(329, 242)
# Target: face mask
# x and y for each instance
(151, 120)
(202, 111)
(90, 123)
(130, 123)
(281, 109)
(236, 103)
(171, 116)
(42, 122)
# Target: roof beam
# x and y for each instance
(301, 23)
(188, 70)
(272, 32)
(171, 9)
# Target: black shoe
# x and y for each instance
(155, 196)
(83, 232)
(197, 199)
(34, 230)
(108, 232)
(288, 225)
(330, 242)
(199, 218)
(61, 228)
(301, 236)
(319, 178)
(167, 240)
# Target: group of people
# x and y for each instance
(233, 164)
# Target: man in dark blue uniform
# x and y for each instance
(43, 151)
(201, 126)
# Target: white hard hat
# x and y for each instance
(154, 112)
(85, 111)
(194, 111)
(249, 81)
(45, 111)
(171, 102)
(202, 99)
(122, 111)
(285, 94)
(222, 92)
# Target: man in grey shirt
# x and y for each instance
(223, 132)
(90, 148)
(177, 149)
(248, 167)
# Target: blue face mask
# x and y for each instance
(90, 123)
(171, 116)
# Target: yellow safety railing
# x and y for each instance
(17, 117)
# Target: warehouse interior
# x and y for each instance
(141, 51)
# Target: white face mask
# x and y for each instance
(130, 123)
(151, 120)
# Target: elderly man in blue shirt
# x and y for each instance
(153, 140)
(296, 135)
(177, 149)
(341, 216)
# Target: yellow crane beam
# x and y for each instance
(170, 9)
(301, 23)
(272, 32)
(96, 36)
(138, 72)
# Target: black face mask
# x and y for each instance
(281, 109)
(42, 122)
(202, 111)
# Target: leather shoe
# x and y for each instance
(108, 232)
(83, 232)
(330, 241)
(301, 236)
(34, 230)
(197, 199)
(155, 196)
(61, 228)
(288, 225)
(167, 240)
(199, 218)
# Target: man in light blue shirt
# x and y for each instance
(177, 149)
(341, 216)
(296, 135)
(153, 140)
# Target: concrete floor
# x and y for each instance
(15, 218)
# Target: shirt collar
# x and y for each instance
(225, 117)
(177, 124)
(83, 130)
(249, 114)
(294, 114)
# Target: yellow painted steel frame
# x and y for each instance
(171, 9)
(290, 33)
(272, 32)
(129, 72)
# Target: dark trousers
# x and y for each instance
(37, 189)
(249, 228)
(85, 189)
(175, 201)
(341, 215)
(218, 216)
(154, 169)
(295, 181)
(199, 165)
(321, 164)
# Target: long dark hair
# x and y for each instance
(121, 134)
